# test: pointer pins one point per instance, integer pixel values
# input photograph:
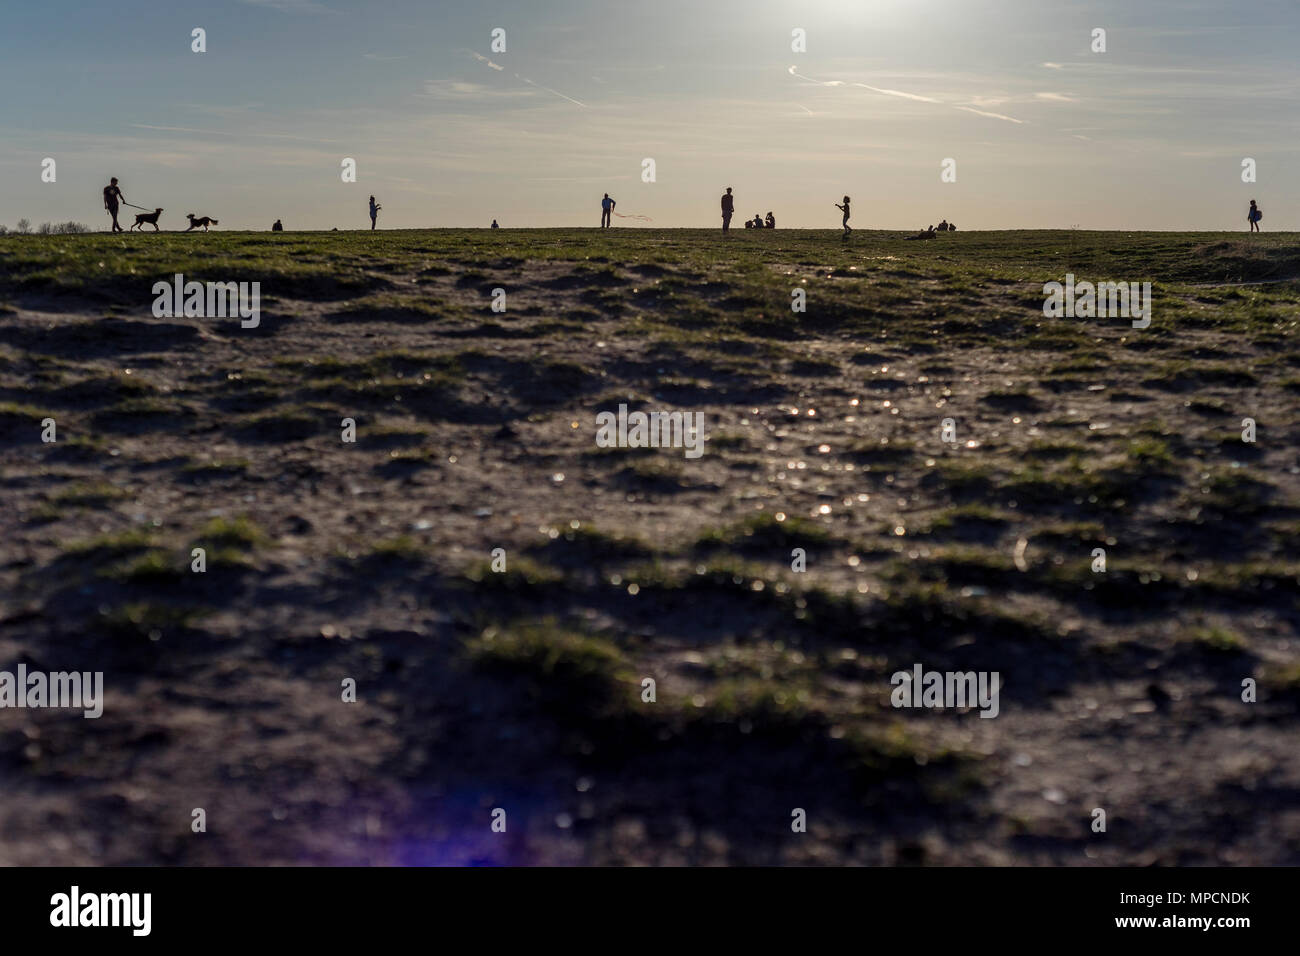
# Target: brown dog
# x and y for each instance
(149, 217)
(203, 221)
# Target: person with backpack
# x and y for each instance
(1254, 216)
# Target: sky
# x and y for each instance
(1044, 132)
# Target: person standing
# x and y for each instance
(113, 195)
(606, 210)
(728, 207)
(374, 212)
(1253, 217)
(845, 223)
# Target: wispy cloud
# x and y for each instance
(234, 133)
(1055, 97)
(290, 6)
(577, 179)
(461, 89)
(482, 59)
(214, 109)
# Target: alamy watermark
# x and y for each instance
(57, 689)
(218, 300)
(76, 909)
(1105, 300)
(946, 689)
(651, 430)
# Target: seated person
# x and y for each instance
(749, 224)
(770, 222)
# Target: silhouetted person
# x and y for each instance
(943, 225)
(606, 211)
(1253, 217)
(113, 195)
(277, 227)
(845, 207)
(749, 224)
(770, 222)
(728, 207)
(494, 224)
(374, 212)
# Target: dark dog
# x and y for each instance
(203, 221)
(150, 217)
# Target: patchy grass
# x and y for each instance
(1220, 640)
(477, 686)
(773, 535)
(577, 674)
(240, 533)
(96, 494)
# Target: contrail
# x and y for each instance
(793, 71)
(549, 90)
(497, 66)
(874, 89)
(971, 109)
(907, 96)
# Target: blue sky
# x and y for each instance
(1045, 133)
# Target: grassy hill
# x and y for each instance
(523, 690)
